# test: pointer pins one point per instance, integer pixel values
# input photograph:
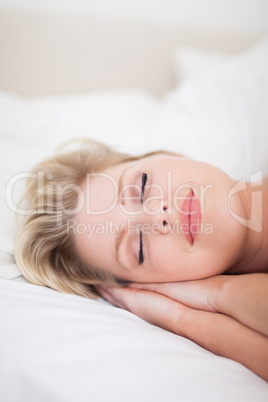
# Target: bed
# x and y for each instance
(63, 76)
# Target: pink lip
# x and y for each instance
(190, 217)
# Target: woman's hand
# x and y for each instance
(200, 294)
(150, 306)
(243, 297)
(203, 294)
(191, 309)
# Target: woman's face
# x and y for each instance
(159, 219)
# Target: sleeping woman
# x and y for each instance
(173, 240)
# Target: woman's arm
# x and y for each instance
(243, 297)
(197, 319)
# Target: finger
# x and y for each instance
(152, 307)
(196, 294)
(104, 294)
(115, 295)
(146, 286)
(120, 296)
(175, 290)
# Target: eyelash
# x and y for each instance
(141, 257)
(143, 183)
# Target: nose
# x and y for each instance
(159, 219)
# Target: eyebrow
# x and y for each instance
(118, 243)
(120, 186)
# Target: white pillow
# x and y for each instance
(218, 113)
(115, 117)
(194, 64)
(189, 63)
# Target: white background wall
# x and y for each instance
(236, 15)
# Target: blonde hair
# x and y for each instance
(45, 250)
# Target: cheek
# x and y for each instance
(213, 198)
(166, 252)
(172, 259)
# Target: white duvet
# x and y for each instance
(58, 347)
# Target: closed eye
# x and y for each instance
(141, 256)
(143, 183)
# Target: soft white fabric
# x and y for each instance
(60, 347)
(190, 63)
(219, 111)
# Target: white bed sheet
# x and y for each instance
(58, 347)
(61, 347)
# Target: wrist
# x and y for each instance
(221, 295)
